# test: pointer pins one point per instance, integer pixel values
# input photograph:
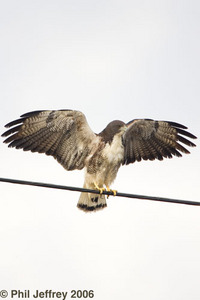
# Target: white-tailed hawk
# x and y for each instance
(66, 135)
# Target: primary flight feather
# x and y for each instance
(66, 135)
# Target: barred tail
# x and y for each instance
(91, 202)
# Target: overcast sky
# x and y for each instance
(111, 60)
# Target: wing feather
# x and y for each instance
(63, 134)
(148, 140)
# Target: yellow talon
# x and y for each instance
(108, 190)
(112, 191)
(101, 190)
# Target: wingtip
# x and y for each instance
(177, 125)
(31, 113)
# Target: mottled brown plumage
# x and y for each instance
(66, 135)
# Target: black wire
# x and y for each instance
(77, 189)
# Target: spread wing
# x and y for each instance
(64, 134)
(148, 139)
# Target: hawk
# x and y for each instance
(66, 135)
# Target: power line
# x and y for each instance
(109, 193)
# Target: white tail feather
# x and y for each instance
(91, 202)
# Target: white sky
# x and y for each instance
(111, 60)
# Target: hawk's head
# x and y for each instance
(111, 130)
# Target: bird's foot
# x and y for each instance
(114, 192)
(101, 190)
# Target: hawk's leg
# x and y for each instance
(112, 191)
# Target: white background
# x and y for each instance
(111, 60)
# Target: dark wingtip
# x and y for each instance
(177, 125)
(19, 122)
(15, 122)
(179, 128)
(31, 113)
(3, 134)
(10, 131)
